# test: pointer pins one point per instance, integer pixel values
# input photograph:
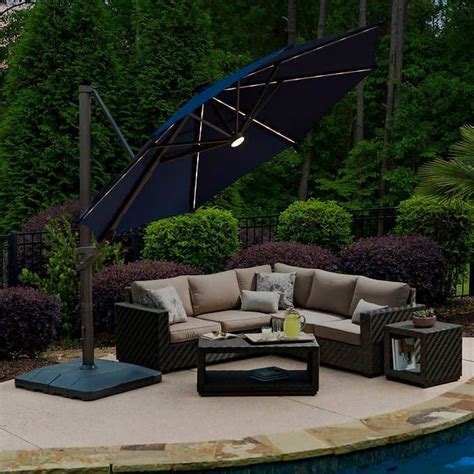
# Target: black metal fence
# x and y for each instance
(26, 250)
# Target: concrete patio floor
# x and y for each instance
(172, 411)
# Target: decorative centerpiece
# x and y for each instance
(424, 318)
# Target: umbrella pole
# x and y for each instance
(85, 252)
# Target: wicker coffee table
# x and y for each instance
(241, 382)
(438, 353)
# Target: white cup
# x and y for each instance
(266, 333)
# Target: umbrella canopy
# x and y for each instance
(230, 127)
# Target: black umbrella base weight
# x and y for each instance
(69, 380)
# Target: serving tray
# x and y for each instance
(256, 338)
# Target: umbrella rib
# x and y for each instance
(198, 143)
(303, 78)
(136, 189)
(237, 108)
(317, 48)
(249, 122)
(198, 155)
(221, 118)
(184, 154)
(258, 122)
(141, 154)
(252, 113)
(209, 124)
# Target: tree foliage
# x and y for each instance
(147, 57)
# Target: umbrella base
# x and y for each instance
(71, 381)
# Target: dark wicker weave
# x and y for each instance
(440, 353)
(367, 358)
(240, 382)
(143, 338)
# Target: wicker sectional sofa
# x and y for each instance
(212, 303)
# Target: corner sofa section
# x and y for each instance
(212, 302)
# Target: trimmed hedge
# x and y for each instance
(449, 223)
(291, 253)
(413, 259)
(110, 283)
(29, 321)
(315, 222)
(70, 209)
(203, 239)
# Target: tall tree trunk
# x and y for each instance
(359, 128)
(395, 64)
(394, 79)
(308, 156)
(291, 21)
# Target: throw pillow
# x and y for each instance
(166, 299)
(261, 301)
(283, 283)
(363, 307)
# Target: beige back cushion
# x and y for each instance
(216, 292)
(332, 292)
(388, 293)
(247, 277)
(303, 283)
(180, 283)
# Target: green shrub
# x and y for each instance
(449, 223)
(62, 278)
(204, 239)
(315, 222)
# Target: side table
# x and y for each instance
(438, 353)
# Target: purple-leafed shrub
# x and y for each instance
(291, 253)
(110, 283)
(412, 259)
(29, 321)
(38, 222)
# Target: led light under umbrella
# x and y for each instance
(237, 141)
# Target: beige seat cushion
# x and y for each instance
(238, 321)
(180, 283)
(386, 293)
(332, 292)
(342, 331)
(192, 329)
(247, 276)
(216, 292)
(303, 283)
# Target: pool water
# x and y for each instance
(455, 458)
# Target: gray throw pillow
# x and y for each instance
(166, 299)
(283, 283)
(363, 307)
(261, 301)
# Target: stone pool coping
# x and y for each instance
(449, 409)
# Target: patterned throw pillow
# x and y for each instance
(284, 283)
(166, 299)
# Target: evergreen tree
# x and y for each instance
(65, 43)
(173, 56)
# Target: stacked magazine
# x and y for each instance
(406, 354)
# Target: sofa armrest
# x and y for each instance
(142, 333)
(372, 323)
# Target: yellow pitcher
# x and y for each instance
(293, 324)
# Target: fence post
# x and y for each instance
(12, 267)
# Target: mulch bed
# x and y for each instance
(458, 311)
(10, 368)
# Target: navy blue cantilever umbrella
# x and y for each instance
(230, 127)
